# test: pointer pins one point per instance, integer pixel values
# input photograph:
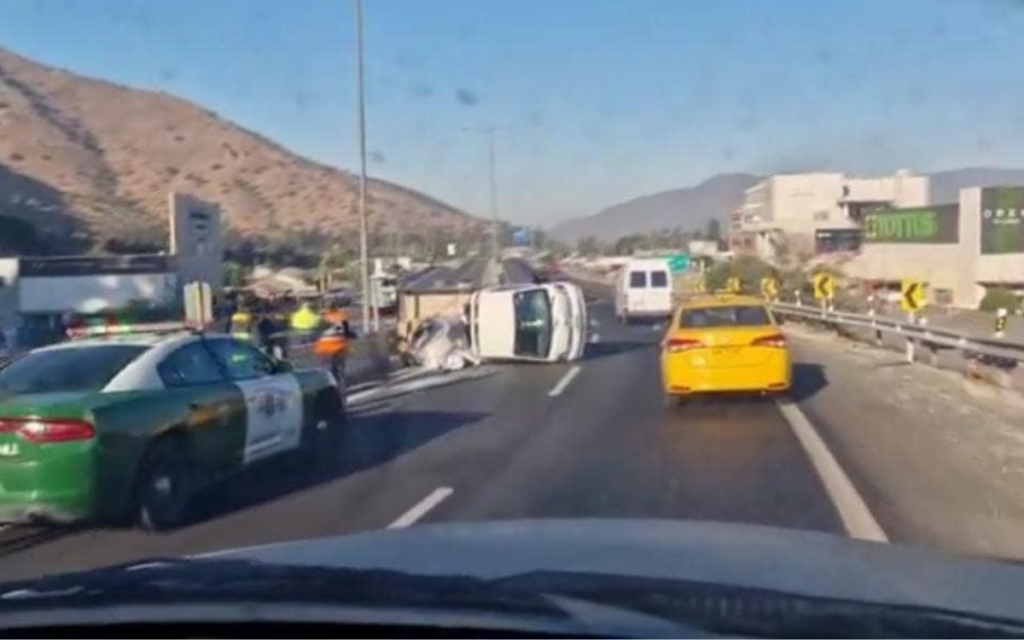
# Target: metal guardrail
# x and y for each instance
(915, 333)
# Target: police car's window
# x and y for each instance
(74, 369)
(637, 279)
(190, 365)
(242, 361)
(737, 316)
(659, 279)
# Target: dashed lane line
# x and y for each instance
(569, 376)
(421, 508)
(857, 518)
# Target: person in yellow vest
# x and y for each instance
(303, 322)
(304, 319)
(241, 324)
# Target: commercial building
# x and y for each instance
(36, 291)
(816, 212)
(957, 249)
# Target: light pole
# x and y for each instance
(493, 178)
(364, 225)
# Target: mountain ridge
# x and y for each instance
(714, 198)
(86, 161)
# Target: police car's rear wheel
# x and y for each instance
(163, 487)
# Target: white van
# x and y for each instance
(538, 322)
(644, 290)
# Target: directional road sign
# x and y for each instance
(824, 286)
(679, 263)
(911, 295)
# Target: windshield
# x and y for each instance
(78, 369)
(532, 323)
(583, 265)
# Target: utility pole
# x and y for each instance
(364, 224)
(492, 174)
(495, 242)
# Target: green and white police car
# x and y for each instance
(131, 425)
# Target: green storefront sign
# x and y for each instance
(1002, 220)
(924, 225)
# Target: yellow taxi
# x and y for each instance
(724, 343)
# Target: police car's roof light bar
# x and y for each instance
(95, 331)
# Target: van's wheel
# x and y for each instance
(163, 486)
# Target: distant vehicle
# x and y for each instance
(384, 292)
(343, 297)
(532, 322)
(130, 425)
(643, 290)
(724, 343)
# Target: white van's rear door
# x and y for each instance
(648, 292)
(660, 291)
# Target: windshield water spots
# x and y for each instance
(668, 307)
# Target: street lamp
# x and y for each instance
(364, 225)
(492, 175)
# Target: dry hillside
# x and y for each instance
(90, 160)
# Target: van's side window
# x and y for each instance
(659, 279)
(637, 279)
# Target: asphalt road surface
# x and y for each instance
(591, 439)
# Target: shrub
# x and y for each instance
(999, 298)
(748, 269)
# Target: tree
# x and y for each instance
(588, 246)
(233, 274)
(714, 230)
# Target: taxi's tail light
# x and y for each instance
(46, 431)
(777, 341)
(679, 345)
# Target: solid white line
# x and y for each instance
(854, 512)
(564, 382)
(421, 508)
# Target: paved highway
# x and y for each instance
(591, 439)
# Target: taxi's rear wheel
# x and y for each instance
(163, 487)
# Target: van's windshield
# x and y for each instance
(533, 323)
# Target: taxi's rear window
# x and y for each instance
(725, 316)
(73, 369)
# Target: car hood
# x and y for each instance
(790, 561)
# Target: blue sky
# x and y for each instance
(599, 100)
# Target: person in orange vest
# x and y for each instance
(333, 344)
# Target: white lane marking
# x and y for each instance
(860, 523)
(386, 390)
(564, 382)
(421, 508)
